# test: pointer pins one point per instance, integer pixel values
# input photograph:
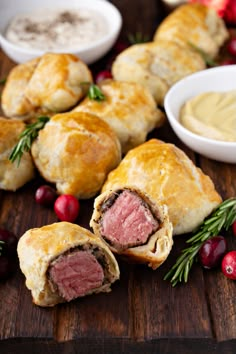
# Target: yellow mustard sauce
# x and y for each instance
(212, 115)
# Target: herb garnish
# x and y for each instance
(1, 244)
(221, 218)
(94, 93)
(26, 139)
(3, 81)
(208, 60)
(137, 38)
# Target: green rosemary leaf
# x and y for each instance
(1, 244)
(94, 93)
(26, 139)
(222, 217)
(138, 37)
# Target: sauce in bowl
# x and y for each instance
(50, 30)
(212, 115)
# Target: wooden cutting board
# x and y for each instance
(143, 313)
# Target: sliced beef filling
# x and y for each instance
(76, 274)
(127, 221)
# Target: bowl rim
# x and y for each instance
(175, 120)
(91, 4)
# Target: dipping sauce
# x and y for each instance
(212, 115)
(50, 30)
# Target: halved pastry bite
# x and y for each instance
(128, 108)
(169, 177)
(133, 225)
(156, 65)
(64, 261)
(76, 151)
(195, 24)
(49, 84)
(12, 175)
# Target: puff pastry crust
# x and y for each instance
(167, 175)
(13, 176)
(194, 23)
(158, 246)
(49, 84)
(156, 65)
(128, 108)
(76, 151)
(39, 247)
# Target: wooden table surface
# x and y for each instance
(143, 313)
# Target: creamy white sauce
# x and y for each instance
(57, 29)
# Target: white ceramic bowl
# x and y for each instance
(89, 54)
(218, 79)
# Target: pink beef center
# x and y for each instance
(128, 222)
(76, 274)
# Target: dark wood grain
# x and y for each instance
(143, 313)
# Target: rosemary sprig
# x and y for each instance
(26, 139)
(94, 93)
(1, 244)
(221, 218)
(138, 37)
(208, 60)
(3, 81)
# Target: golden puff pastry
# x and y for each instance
(128, 108)
(64, 261)
(49, 84)
(164, 172)
(76, 151)
(13, 176)
(133, 225)
(156, 65)
(194, 23)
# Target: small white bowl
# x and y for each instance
(219, 79)
(89, 54)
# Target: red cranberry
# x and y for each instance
(9, 244)
(234, 228)
(212, 251)
(7, 267)
(67, 207)
(103, 75)
(45, 195)
(228, 265)
(231, 47)
(230, 61)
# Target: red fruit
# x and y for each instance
(102, 75)
(230, 61)
(230, 12)
(234, 228)
(67, 207)
(45, 195)
(9, 244)
(228, 265)
(231, 47)
(212, 252)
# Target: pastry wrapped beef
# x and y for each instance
(156, 65)
(50, 84)
(12, 175)
(76, 151)
(128, 108)
(64, 261)
(133, 225)
(195, 24)
(169, 177)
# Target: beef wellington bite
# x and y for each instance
(133, 225)
(64, 261)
